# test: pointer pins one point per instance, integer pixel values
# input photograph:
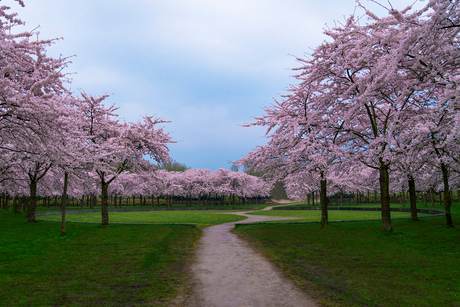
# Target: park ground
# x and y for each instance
(343, 264)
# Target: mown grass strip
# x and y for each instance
(355, 264)
(202, 218)
(334, 215)
(119, 265)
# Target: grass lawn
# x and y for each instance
(334, 215)
(175, 206)
(355, 264)
(202, 218)
(420, 205)
(121, 265)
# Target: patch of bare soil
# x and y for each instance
(229, 272)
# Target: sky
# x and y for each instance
(208, 66)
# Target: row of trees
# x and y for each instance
(44, 128)
(196, 184)
(52, 142)
(378, 102)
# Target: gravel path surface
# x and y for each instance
(229, 272)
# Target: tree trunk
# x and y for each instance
(375, 196)
(413, 199)
(104, 203)
(16, 205)
(63, 203)
(425, 199)
(30, 216)
(447, 200)
(24, 203)
(341, 198)
(403, 198)
(324, 202)
(385, 197)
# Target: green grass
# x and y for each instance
(175, 206)
(355, 264)
(334, 215)
(202, 218)
(420, 205)
(121, 265)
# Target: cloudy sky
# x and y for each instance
(208, 66)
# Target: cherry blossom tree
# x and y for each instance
(367, 85)
(114, 147)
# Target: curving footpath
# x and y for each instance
(228, 272)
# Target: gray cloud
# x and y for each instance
(208, 66)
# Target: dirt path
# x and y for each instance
(228, 272)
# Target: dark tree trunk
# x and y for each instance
(24, 203)
(16, 205)
(5, 205)
(413, 199)
(63, 203)
(385, 197)
(104, 203)
(341, 198)
(324, 202)
(447, 200)
(30, 216)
